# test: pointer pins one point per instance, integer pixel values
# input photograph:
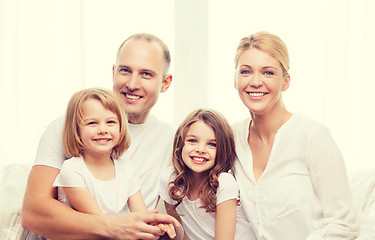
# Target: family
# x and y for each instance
(101, 169)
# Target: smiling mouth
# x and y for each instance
(131, 96)
(102, 139)
(199, 159)
(257, 94)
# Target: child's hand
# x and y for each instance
(169, 229)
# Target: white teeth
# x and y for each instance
(132, 96)
(256, 94)
(199, 159)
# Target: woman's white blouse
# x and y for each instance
(303, 193)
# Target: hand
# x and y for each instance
(139, 225)
(169, 229)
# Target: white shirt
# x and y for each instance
(303, 193)
(150, 151)
(111, 195)
(197, 223)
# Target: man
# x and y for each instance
(139, 76)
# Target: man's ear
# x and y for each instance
(166, 83)
(113, 72)
(286, 82)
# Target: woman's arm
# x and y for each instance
(328, 177)
(225, 226)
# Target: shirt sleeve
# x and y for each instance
(166, 176)
(328, 175)
(71, 175)
(50, 151)
(228, 188)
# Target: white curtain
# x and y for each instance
(49, 49)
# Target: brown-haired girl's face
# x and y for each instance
(199, 150)
(260, 81)
(100, 131)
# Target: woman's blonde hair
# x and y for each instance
(225, 155)
(72, 143)
(268, 43)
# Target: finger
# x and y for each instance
(171, 231)
(161, 218)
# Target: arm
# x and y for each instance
(82, 200)
(225, 225)
(44, 215)
(328, 177)
(136, 203)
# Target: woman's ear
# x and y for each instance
(286, 82)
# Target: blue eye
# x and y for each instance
(147, 75)
(191, 140)
(91, 123)
(268, 73)
(245, 72)
(124, 70)
(212, 144)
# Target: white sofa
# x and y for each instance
(13, 179)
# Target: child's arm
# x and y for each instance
(180, 233)
(225, 226)
(136, 203)
(82, 200)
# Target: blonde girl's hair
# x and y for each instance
(225, 155)
(268, 43)
(72, 144)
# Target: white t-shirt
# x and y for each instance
(111, 196)
(303, 193)
(197, 223)
(150, 151)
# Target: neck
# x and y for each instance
(97, 159)
(137, 118)
(265, 126)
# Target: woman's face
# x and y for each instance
(259, 81)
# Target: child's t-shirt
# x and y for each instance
(111, 195)
(197, 223)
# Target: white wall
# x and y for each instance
(50, 49)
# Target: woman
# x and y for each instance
(291, 175)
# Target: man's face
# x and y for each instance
(138, 77)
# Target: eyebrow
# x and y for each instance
(141, 70)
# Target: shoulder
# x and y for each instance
(168, 175)
(227, 189)
(240, 125)
(300, 122)
(72, 163)
(226, 179)
(160, 125)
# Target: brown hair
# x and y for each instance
(268, 43)
(72, 144)
(151, 38)
(225, 155)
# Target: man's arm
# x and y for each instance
(44, 215)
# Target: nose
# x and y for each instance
(200, 149)
(256, 80)
(102, 129)
(133, 82)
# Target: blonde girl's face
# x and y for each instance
(260, 81)
(100, 131)
(199, 150)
